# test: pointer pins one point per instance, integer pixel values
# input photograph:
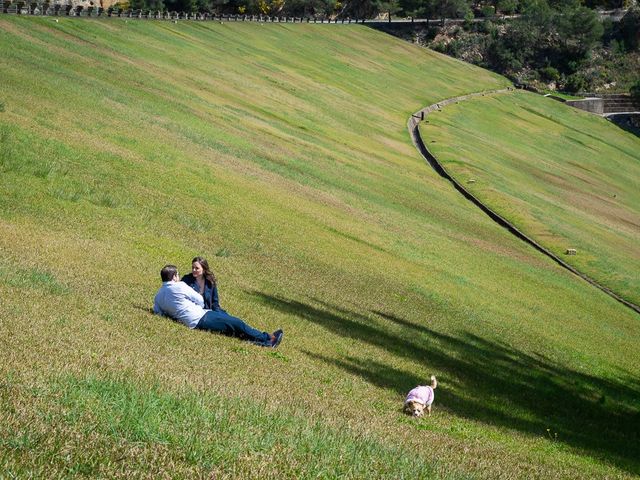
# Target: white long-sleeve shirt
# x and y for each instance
(180, 302)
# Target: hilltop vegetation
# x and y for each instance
(280, 153)
(558, 47)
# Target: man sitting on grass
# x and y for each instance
(177, 300)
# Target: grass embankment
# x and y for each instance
(566, 178)
(280, 153)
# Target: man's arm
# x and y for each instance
(191, 294)
(156, 307)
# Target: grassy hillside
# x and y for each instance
(280, 153)
(566, 178)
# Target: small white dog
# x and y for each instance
(420, 398)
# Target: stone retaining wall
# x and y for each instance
(607, 104)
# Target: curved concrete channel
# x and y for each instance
(414, 131)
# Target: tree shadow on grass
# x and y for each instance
(491, 382)
(144, 308)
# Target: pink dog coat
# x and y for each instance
(422, 393)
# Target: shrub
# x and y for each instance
(575, 83)
(487, 27)
(617, 47)
(468, 21)
(635, 91)
(507, 6)
(439, 47)
(550, 74)
(488, 11)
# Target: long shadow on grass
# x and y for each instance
(490, 381)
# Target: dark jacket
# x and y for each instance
(210, 294)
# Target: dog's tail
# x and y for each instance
(434, 382)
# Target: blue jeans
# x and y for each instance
(222, 322)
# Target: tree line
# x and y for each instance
(555, 44)
(353, 8)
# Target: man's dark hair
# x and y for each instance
(168, 272)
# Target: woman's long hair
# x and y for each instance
(208, 274)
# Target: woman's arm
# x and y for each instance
(215, 301)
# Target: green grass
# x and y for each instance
(280, 153)
(566, 178)
(144, 429)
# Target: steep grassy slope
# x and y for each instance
(566, 178)
(280, 153)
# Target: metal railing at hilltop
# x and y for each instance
(65, 10)
(45, 8)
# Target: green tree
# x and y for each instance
(580, 28)
(635, 91)
(153, 5)
(415, 8)
(630, 29)
(506, 6)
(367, 8)
(309, 8)
(449, 8)
(181, 5)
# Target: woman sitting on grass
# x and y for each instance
(184, 303)
(202, 280)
